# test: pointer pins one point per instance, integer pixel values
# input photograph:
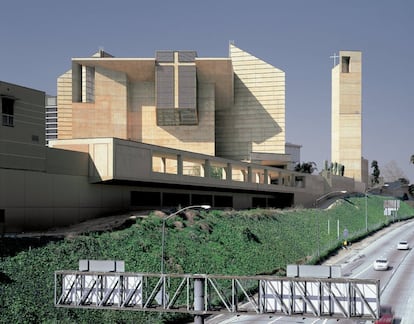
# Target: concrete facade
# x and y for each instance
(88, 178)
(293, 150)
(129, 139)
(255, 123)
(22, 130)
(78, 179)
(240, 104)
(346, 134)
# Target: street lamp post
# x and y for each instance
(366, 210)
(317, 214)
(163, 296)
(163, 229)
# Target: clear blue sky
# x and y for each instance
(39, 38)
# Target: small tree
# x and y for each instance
(376, 171)
(404, 181)
(306, 167)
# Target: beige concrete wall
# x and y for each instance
(315, 186)
(140, 96)
(219, 72)
(38, 200)
(347, 115)
(256, 121)
(198, 138)
(62, 161)
(124, 107)
(116, 159)
(72, 189)
(131, 163)
(100, 156)
(107, 116)
(64, 103)
(335, 114)
(125, 100)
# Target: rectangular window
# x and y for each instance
(146, 198)
(223, 201)
(88, 84)
(7, 110)
(198, 199)
(345, 64)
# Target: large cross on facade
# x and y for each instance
(176, 88)
(176, 64)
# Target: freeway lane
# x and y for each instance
(397, 283)
(400, 290)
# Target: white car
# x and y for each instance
(403, 245)
(381, 264)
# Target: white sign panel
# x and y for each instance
(320, 297)
(102, 290)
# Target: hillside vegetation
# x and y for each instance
(259, 241)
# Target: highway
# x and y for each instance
(397, 283)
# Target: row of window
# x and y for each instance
(51, 123)
(7, 110)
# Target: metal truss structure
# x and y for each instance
(212, 294)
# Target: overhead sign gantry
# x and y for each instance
(201, 294)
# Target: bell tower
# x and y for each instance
(346, 145)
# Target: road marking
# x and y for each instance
(394, 271)
(362, 271)
(276, 319)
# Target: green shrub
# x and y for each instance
(259, 241)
